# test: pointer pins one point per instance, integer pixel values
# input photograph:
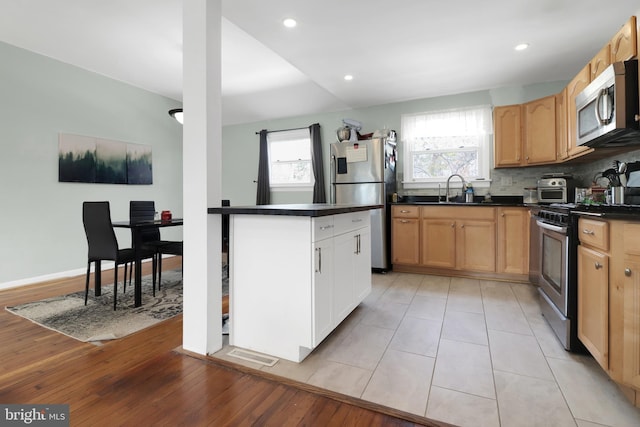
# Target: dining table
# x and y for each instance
(137, 227)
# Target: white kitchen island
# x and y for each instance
(295, 273)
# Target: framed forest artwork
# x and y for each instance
(97, 160)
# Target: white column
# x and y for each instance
(202, 175)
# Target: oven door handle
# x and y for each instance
(551, 227)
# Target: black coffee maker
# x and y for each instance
(632, 184)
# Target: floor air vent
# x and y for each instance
(253, 357)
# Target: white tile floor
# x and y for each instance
(464, 351)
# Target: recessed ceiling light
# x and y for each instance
(522, 46)
(348, 77)
(289, 23)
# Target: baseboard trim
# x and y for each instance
(106, 265)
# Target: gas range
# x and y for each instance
(554, 213)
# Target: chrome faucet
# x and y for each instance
(449, 179)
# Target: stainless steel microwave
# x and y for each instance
(607, 109)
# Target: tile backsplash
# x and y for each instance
(520, 177)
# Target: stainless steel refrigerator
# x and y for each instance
(364, 172)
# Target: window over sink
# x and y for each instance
(438, 144)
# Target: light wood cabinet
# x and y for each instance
(627, 274)
(624, 45)
(561, 125)
(439, 243)
(609, 298)
(579, 82)
(459, 238)
(507, 135)
(539, 130)
(513, 240)
(527, 134)
(593, 303)
(593, 288)
(405, 235)
(524, 134)
(476, 245)
(601, 61)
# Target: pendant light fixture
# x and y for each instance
(177, 114)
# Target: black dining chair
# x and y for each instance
(103, 244)
(145, 210)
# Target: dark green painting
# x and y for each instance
(95, 160)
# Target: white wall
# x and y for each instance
(41, 232)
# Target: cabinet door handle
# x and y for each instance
(357, 242)
(404, 211)
(319, 268)
(598, 265)
(453, 224)
(357, 220)
(627, 272)
(586, 231)
(326, 227)
(462, 226)
(404, 221)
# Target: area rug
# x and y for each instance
(97, 321)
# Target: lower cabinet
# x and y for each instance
(593, 303)
(293, 279)
(626, 275)
(323, 273)
(609, 298)
(631, 335)
(460, 238)
(352, 271)
(513, 240)
(405, 235)
(484, 240)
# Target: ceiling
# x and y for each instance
(396, 50)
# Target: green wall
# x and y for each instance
(240, 142)
(41, 232)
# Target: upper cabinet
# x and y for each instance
(508, 135)
(601, 61)
(539, 140)
(543, 131)
(624, 45)
(575, 86)
(526, 134)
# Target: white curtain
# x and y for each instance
(456, 122)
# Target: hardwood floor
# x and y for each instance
(146, 378)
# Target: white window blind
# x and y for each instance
(290, 159)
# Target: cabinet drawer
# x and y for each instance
(408, 211)
(594, 233)
(459, 212)
(344, 223)
(322, 228)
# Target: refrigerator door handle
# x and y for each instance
(332, 190)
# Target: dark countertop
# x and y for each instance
(625, 212)
(310, 209)
(459, 201)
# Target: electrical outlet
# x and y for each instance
(506, 181)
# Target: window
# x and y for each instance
(290, 159)
(440, 143)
